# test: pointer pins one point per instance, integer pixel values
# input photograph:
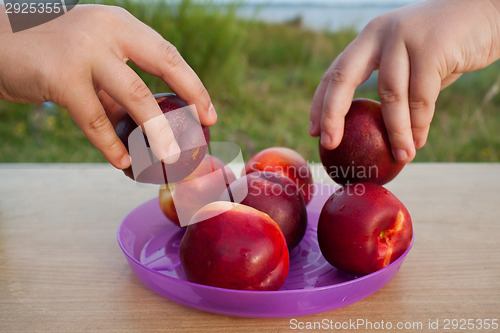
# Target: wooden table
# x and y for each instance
(61, 269)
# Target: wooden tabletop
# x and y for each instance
(61, 269)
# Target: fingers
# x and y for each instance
(125, 87)
(148, 50)
(449, 80)
(425, 85)
(335, 92)
(393, 87)
(158, 57)
(122, 86)
(407, 99)
(114, 110)
(87, 112)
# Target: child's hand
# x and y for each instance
(418, 50)
(79, 61)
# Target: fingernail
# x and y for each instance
(212, 113)
(326, 139)
(400, 154)
(311, 125)
(173, 153)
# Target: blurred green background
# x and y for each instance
(261, 78)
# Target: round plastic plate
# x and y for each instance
(151, 244)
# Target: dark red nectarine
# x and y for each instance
(364, 154)
(192, 138)
(234, 246)
(287, 162)
(276, 195)
(363, 227)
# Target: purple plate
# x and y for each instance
(151, 244)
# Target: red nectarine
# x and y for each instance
(234, 246)
(192, 138)
(287, 162)
(276, 195)
(179, 201)
(364, 154)
(363, 227)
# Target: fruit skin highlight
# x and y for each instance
(234, 246)
(363, 228)
(192, 140)
(277, 196)
(364, 154)
(287, 162)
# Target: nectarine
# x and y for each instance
(363, 227)
(364, 154)
(179, 201)
(276, 195)
(192, 138)
(287, 162)
(234, 246)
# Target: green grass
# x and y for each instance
(261, 78)
(467, 120)
(31, 133)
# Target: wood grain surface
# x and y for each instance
(61, 269)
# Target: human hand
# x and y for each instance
(79, 61)
(418, 50)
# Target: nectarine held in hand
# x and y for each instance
(363, 227)
(192, 138)
(236, 247)
(364, 154)
(279, 197)
(287, 162)
(204, 185)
